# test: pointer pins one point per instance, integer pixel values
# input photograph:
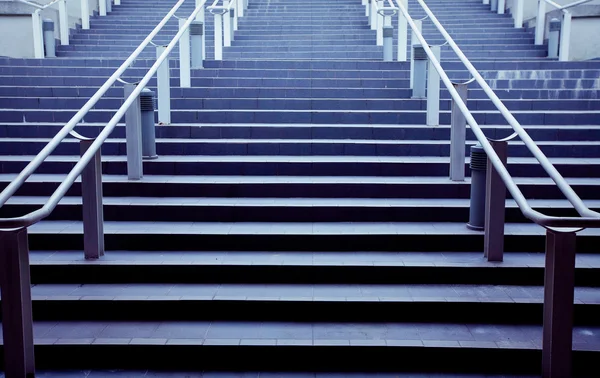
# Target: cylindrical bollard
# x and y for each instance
(232, 23)
(49, 41)
(420, 71)
(478, 177)
(148, 129)
(388, 43)
(553, 38)
(196, 33)
(494, 5)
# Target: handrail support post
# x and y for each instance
(540, 25)
(402, 33)
(85, 14)
(559, 286)
(414, 41)
(458, 133)
(501, 6)
(163, 89)
(91, 198)
(38, 35)
(226, 26)
(185, 75)
(133, 134)
(64, 22)
(102, 7)
(565, 37)
(373, 15)
(433, 89)
(218, 30)
(388, 39)
(17, 320)
(495, 206)
(518, 14)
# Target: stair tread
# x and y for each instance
(338, 334)
(288, 228)
(305, 292)
(290, 202)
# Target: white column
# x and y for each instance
(226, 26)
(501, 6)
(519, 13)
(102, 7)
(117, 2)
(433, 90)
(373, 14)
(236, 8)
(414, 41)
(565, 37)
(201, 16)
(185, 80)
(85, 14)
(402, 33)
(540, 24)
(163, 83)
(38, 40)
(218, 36)
(63, 20)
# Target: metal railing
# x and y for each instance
(226, 22)
(565, 28)
(560, 231)
(104, 6)
(14, 260)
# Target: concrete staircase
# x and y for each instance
(299, 218)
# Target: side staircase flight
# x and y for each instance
(299, 217)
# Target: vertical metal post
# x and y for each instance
(235, 16)
(201, 16)
(240, 8)
(63, 21)
(540, 23)
(388, 39)
(458, 133)
(559, 286)
(17, 320)
(38, 39)
(414, 41)
(419, 71)
(433, 90)
(133, 134)
(379, 18)
(102, 7)
(226, 26)
(373, 14)
(518, 14)
(565, 37)
(501, 6)
(232, 24)
(218, 36)
(495, 204)
(85, 14)
(196, 38)
(185, 75)
(402, 33)
(163, 84)
(108, 6)
(91, 197)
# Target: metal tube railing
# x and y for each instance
(588, 217)
(565, 32)
(9, 191)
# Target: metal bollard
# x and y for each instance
(478, 177)
(232, 23)
(419, 71)
(196, 36)
(49, 41)
(494, 5)
(553, 38)
(148, 124)
(388, 43)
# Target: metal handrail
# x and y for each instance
(39, 6)
(565, 7)
(588, 217)
(59, 193)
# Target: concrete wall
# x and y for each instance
(585, 48)
(16, 45)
